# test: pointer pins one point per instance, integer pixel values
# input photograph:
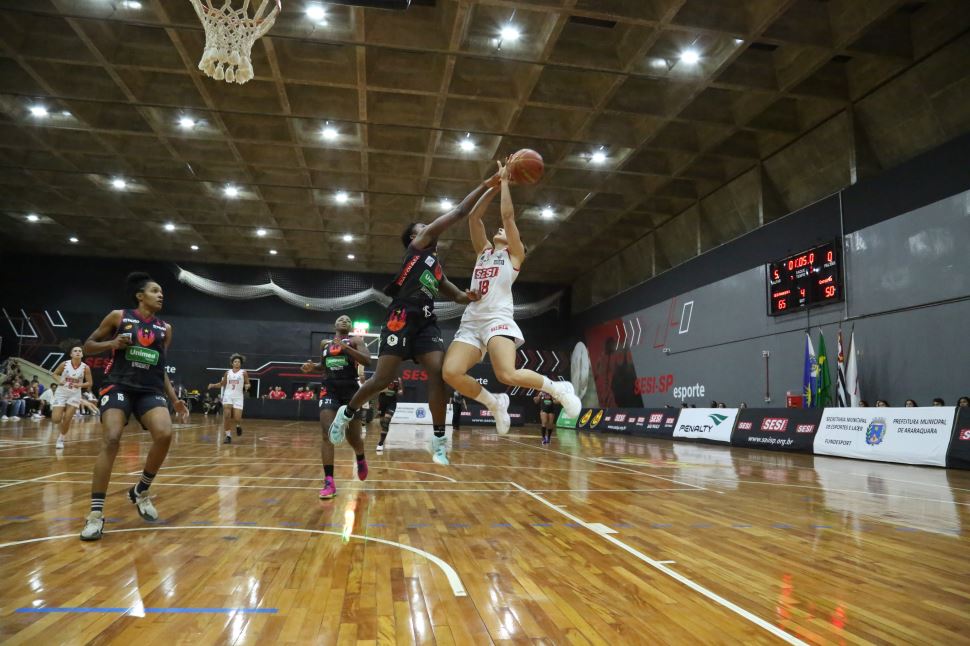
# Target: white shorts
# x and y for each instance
(66, 397)
(236, 401)
(477, 333)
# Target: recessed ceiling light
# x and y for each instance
(169, 226)
(38, 111)
(598, 157)
(73, 240)
(351, 256)
(446, 204)
(131, 4)
(348, 237)
(341, 197)
(547, 212)
(466, 144)
(316, 13)
(329, 133)
(510, 33)
(32, 217)
(65, 113)
(272, 252)
(187, 122)
(119, 183)
(194, 247)
(738, 41)
(690, 56)
(658, 63)
(231, 191)
(261, 232)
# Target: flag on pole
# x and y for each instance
(809, 375)
(841, 389)
(824, 378)
(854, 392)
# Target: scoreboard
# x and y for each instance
(807, 279)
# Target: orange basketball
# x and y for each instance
(526, 167)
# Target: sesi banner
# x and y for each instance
(958, 457)
(477, 415)
(906, 435)
(779, 429)
(644, 422)
(706, 424)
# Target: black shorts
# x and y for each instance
(131, 401)
(547, 407)
(334, 394)
(408, 333)
(386, 405)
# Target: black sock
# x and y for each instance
(350, 412)
(360, 457)
(145, 482)
(439, 431)
(97, 502)
(383, 437)
(328, 470)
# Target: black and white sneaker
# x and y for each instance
(143, 504)
(227, 440)
(93, 526)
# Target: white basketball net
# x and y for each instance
(444, 310)
(230, 34)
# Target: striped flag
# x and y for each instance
(848, 387)
(841, 392)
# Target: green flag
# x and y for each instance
(824, 379)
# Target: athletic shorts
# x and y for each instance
(547, 406)
(131, 401)
(334, 394)
(478, 333)
(386, 405)
(236, 401)
(407, 333)
(66, 397)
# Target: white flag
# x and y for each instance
(841, 390)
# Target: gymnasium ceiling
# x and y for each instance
(402, 90)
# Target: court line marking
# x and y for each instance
(453, 579)
(365, 488)
(658, 565)
(273, 462)
(49, 475)
(594, 461)
(304, 479)
(136, 611)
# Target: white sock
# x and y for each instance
(487, 399)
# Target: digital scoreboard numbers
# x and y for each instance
(805, 280)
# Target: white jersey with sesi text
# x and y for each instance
(492, 278)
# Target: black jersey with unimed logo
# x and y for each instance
(417, 284)
(337, 364)
(141, 365)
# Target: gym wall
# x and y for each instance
(701, 332)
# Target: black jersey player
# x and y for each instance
(339, 361)
(410, 329)
(136, 382)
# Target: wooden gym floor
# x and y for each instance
(596, 539)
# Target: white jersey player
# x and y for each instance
(234, 385)
(73, 376)
(488, 325)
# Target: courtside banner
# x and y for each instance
(644, 422)
(958, 456)
(415, 413)
(706, 424)
(477, 415)
(906, 435)
(779, 429)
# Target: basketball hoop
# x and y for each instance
(230, 34)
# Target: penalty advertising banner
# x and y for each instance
(706, 424)
(906, 435)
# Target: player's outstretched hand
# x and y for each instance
(307, 367)
(181, 411)
(472, 295)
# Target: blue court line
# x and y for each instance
(739, 526)
(458, 525)
(64, 518)
(376, 525)
(660, 525)
(571, 524)
(542, 524)
(781, 526)
(502, 525)
(201, 522)
(701, 525)
(194, 611)
(16, 517)
(240, 522)
(822, 526)
(416, 525)
(289, 523)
